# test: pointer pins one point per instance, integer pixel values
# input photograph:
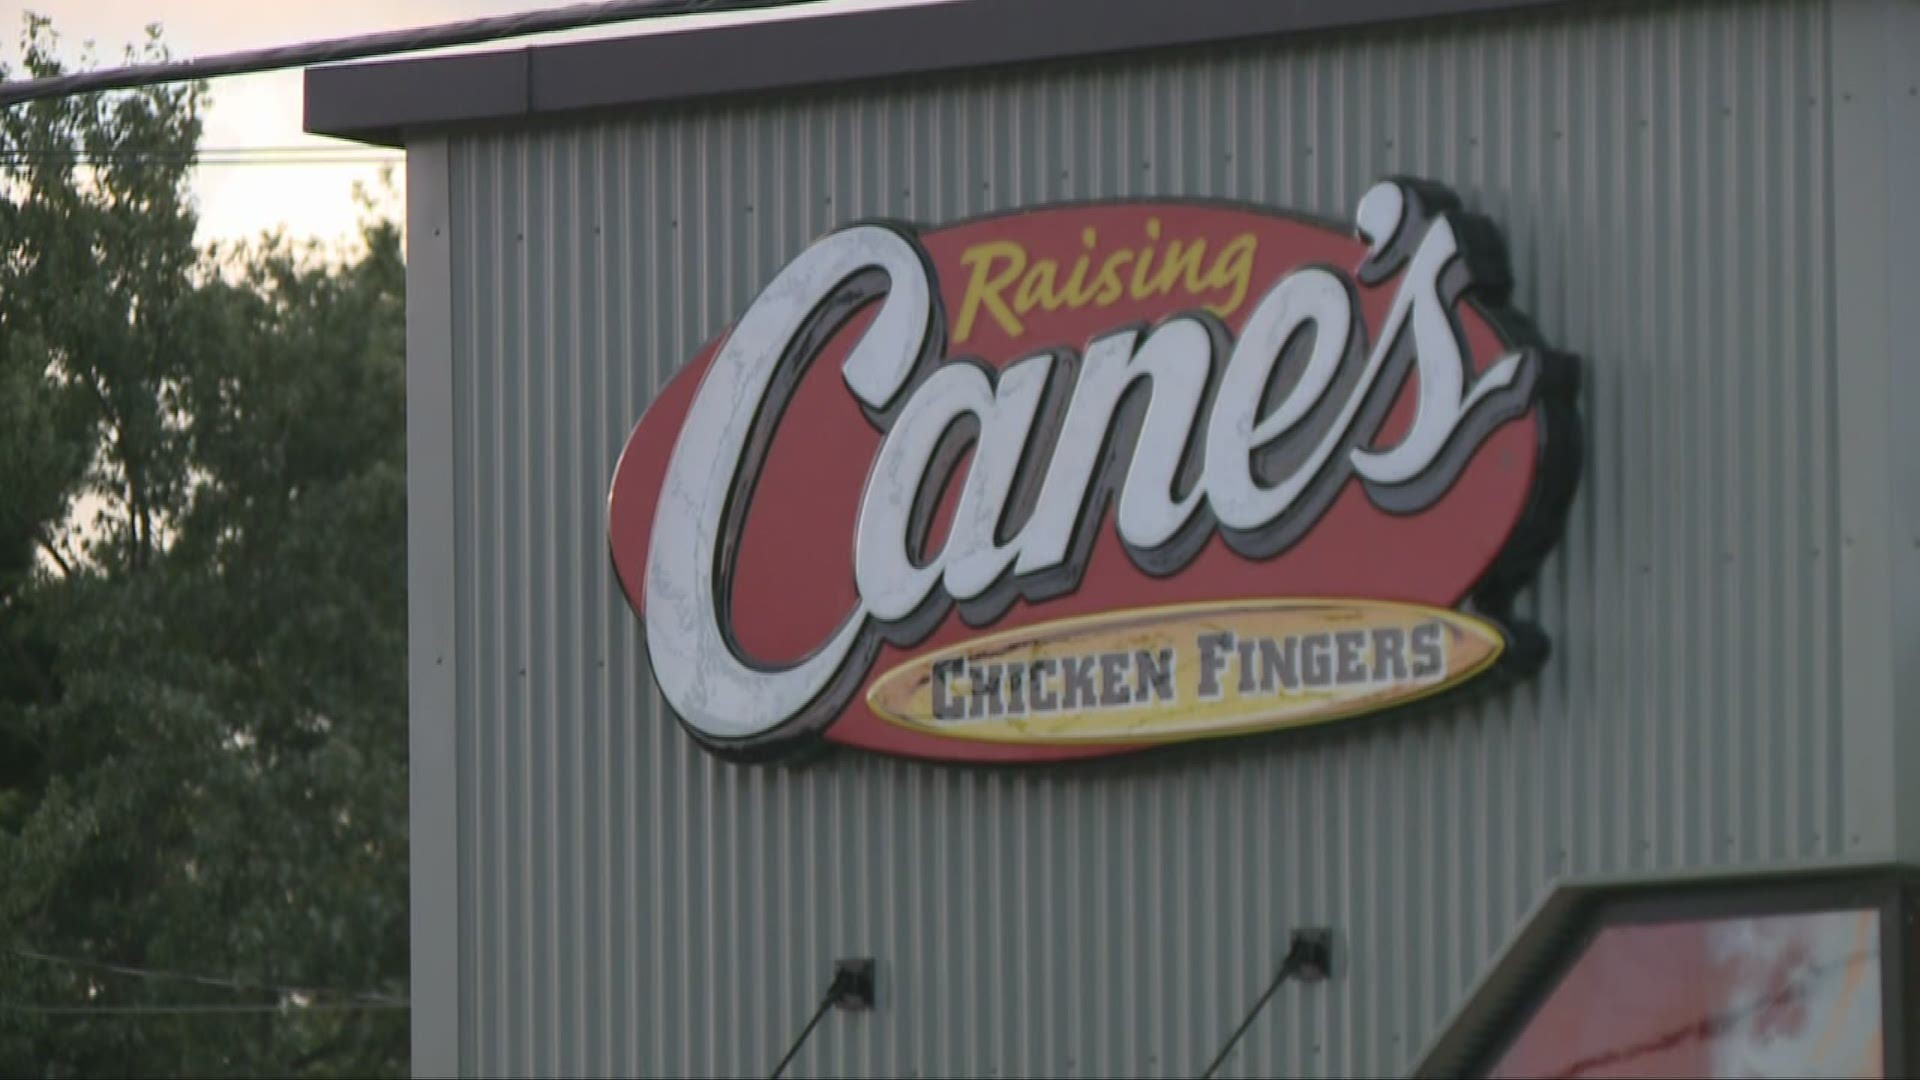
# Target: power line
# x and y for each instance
(469, 32)
(180, 1010)
(204, 151)
(207, 157)
(203, 980)
(223, 162)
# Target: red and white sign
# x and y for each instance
(1088, 478)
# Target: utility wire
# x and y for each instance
(138, 151)
(183, 1010)
(205, 980)
(363, 46)
(318, 153)
(207, 158)
(225, 162)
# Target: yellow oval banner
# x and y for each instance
(1187, 671)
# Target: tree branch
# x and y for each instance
(66, 568)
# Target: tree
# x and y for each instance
(202, 617)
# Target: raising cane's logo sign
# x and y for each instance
(1089, 478)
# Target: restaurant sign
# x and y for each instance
(1089, 478)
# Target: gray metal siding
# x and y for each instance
(630, 905)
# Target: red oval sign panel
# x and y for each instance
(1088, 478)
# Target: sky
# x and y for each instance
(305, 198)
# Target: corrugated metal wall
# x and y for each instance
(629, 905)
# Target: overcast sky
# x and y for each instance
(307, 199)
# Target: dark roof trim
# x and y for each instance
(380, 102)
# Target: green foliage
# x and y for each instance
(202, 613)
